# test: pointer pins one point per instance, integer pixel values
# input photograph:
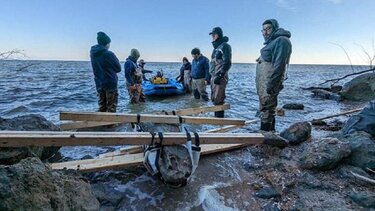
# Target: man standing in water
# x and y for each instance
(221, 61)
(272, 63)
(200, 74)
(105, 66)
(134, 76)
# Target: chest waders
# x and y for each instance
(136, 95)
(218, 91)
(267, 102)
(187, 80)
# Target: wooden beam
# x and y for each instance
(166, 119)
(339, 114)
(230, 127)
(188, 111)
(130, 160)
(38, 138)
(199, 110)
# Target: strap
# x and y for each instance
(138, 118)
(165, 112)
(188, 136)
(158, 153)
(180, 119)
(152, 137)
(174, 112)
(196, 138)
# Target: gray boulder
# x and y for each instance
(320, 93)
(363, 150)
(297, 133)
(294, 106)
(365, 199)
(30, 185)
(364, 121)
(324, 154)
(360, 88)
(9, 156)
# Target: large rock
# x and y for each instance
(360, 88)
(297, 133)
(320, 93)
(364, 121)
(324, 154)
(9, 156)
(365, 199)
(294, 106)
(363, 150)
(30, 185)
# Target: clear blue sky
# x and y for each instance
(167, 30)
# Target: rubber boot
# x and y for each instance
(219, 114)
(102, 101)
(205, 98)
(265, 126)
(112, 98)
(196, 94)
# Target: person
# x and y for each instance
(200, 74)
(105, 66)
(141, 64)
(221, 61)
(270, 69)
(134, 76)
(185, 75)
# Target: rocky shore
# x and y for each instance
(331, 173)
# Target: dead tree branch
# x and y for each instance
(335, 80)
(10, 54)
(346, 53)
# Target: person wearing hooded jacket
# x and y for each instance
(221, 61)
(271, 66)
(105, 66)
(134, 76)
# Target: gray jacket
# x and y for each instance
(277, 50)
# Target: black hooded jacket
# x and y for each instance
(105, 66)
(222, 50)
(277, 50)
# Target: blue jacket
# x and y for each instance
(200, 68)
(130, 68)
(105, 66)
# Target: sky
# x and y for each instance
(167, 30)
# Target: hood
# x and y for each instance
(219, 41)
(132, 59)
(277, 32)
(97, 50)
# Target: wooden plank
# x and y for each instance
(166, 119)
(139, 149)
(54, 138)
(199, 110)
(130, 160)
(188, 111)
(339, 114)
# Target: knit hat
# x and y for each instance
(103, 39)
(195, 51)
(218, 31)
(135, 53)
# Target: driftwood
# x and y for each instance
(335, 80)
(363, 178)
(339, 114)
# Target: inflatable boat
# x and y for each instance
(165, 88)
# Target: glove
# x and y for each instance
(218, 78)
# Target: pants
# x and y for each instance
(107, 101)
(267, 102)
(187, 81)
(199, 88)
(136, 95)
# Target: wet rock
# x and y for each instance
(363, 150)
(107, 195)
(334, 125)
(319, 93)
(364, 199)
(297, 133)
(317, 122)
(271, 206)
(267, 193)
(275, 140)
(360, 88)
(31, 185)
(309, 180)
(336, 89)
(280, 112)
(9, 156)
(363, 121)
(315, 199)
(324, 154)
(294, 106)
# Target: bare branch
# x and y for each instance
(10, 54)
(335, 80)
(346, 53)
(370, 60)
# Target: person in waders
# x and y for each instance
(134, 76)
(105, 66)
(270, 69)
(200, 74)
(221, 61)
(185, 75)
(142, 64)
